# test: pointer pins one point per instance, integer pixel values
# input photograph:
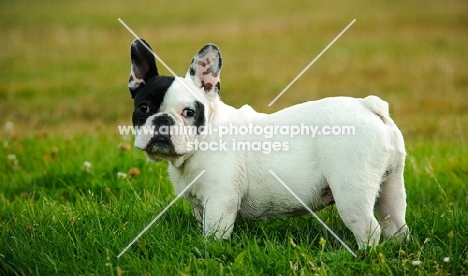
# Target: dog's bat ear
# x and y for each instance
(205, 68)
(143, 65)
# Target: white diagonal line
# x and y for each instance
(313, 61)
(159, 59)
(315, 216)
(160, 214)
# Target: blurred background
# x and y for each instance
(65, 64)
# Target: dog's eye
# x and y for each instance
(188, 112)
(144, 108)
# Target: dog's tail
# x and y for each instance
(379, 107)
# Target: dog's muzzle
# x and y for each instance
(161, 140)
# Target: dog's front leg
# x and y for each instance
(198, 213)
(219, 217)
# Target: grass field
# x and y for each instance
(64, 72)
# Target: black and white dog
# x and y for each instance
(240, 148)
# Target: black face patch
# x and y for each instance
(162, 137)
(199, 115)
(151, 95)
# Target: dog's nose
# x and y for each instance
(162, 140)
(163, 120)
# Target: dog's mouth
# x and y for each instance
(161, 148)
(158, 156)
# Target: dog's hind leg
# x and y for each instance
(391, 206)
(355, 198)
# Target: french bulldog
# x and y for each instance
(242, 150)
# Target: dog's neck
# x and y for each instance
(218, 114)
(213, 114)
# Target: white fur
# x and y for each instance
(349, 169)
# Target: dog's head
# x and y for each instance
(170, 112)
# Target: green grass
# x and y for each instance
(63, 86)
(57, 218)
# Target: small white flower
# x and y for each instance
(446, 259)
(416, 263)
(121, 175)
(11, 157)
(87, 166)
(126, 137)
(9, 127)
